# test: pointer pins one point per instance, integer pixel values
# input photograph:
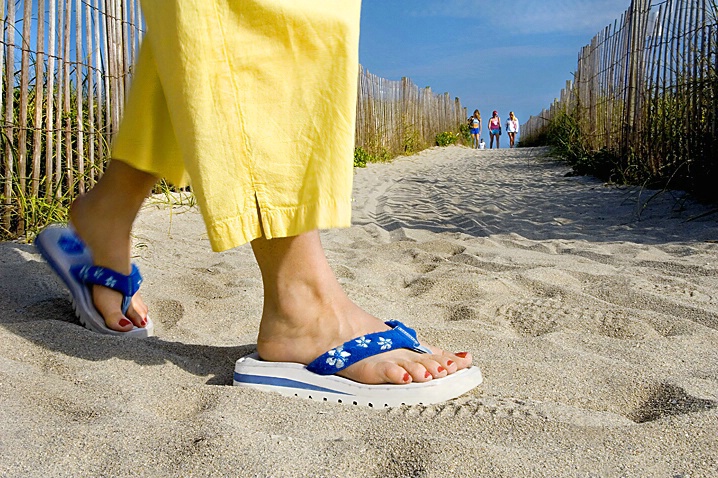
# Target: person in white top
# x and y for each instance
(512, 127)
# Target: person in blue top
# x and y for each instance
(475, 129)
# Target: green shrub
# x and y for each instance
(446, 138)
(465, 134)
(411, 141)
(361, 157)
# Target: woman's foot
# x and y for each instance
(103, 220)
(306, 313)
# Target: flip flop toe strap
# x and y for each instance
(127, 285)
(398, 337)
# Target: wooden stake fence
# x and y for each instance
(396, 117)
(65, 66)
(646, 88)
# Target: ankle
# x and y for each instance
(106, 233)
(296, 302)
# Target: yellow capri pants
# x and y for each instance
(252, 102)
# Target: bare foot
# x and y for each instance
(112, 250)
(306, 313)
(103, 219)
(282, 341)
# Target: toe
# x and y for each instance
(436, 365)
(116, 321)
(460, 360)
(108, 303)
(447, 363)
(137, 312)
(417, 370)
(393, 373)
(452, 362)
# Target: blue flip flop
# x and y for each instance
(317, 381)
(71, 259)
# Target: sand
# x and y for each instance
(592, 311)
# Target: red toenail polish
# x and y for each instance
(427, 374)
(440, 369)
(144, 322)
(124, 322)
(448, 364)
(406, 377)
(462, 354)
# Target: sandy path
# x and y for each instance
(595, 328)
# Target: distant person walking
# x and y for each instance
(475, 129)
(512, 127)
(494, 130)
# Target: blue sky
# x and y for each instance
(494, 55)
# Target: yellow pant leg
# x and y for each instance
(261, 99)
(146, 139)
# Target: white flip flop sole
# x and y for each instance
(294, 380)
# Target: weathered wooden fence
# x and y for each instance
(647, 86)
(397, 116)
(65, 68)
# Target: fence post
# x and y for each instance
(9, 33)
(636, 39)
